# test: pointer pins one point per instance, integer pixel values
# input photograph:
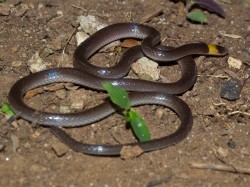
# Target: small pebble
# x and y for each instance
(146, 69)
(64, 109)
(159, 113)
(79, 99)
(209, 112)
(27, 145)
(129, 152)
(36, 63)
(231, 144)
(234, 63)
(226, 132)
(22, 10)
(222, 152)
(60, 149)
(14, 49)
(35, 134)
(80, 37)
(90, 24)
(61, 94)
(15, 142)
(231, 89)
(16, 64)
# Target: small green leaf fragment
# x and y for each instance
(6, 109)
(119, 50)
(139, 126)
(197, 16)
(119, 96)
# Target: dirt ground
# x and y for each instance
(31, 156)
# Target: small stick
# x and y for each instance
(220, 167)
(78, 7)
(69, 38)
(214, 76)
(147, 18)
(238, 112)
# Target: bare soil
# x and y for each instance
(31, 156)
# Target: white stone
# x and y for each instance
(234, 63)
(90, 24)
(146, 69)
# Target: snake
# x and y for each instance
(141, 92)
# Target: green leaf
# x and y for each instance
(119, 50)
(6, 109)
(138, 125)
(197, 16)
(119, 96)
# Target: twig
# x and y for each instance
(220, 167)
(173, 39)
(70, 37)
(219, 104)
(78, 7)
(215, 76)
(149, 17)
(231, 74)
(239, 112)
(84, 9)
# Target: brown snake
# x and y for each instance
(142, 92)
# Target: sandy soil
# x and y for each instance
(31, 156)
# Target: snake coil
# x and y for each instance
(142, 92)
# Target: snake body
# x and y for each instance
(143, 92)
